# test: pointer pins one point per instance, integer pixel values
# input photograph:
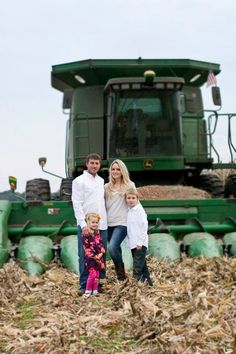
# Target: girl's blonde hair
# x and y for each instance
(125, 180)
(92, 215)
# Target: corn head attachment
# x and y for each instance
(37, 233)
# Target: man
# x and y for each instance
(88, 197)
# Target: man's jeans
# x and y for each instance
(116, 234)
(82, 269)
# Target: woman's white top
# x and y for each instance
(116, 207)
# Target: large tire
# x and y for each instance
(66, 189)
(230, 186)
(37, 190)
(211, 184)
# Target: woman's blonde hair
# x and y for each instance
(125, 180)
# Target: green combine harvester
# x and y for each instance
(150, 114)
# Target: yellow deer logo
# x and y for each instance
(148, 164)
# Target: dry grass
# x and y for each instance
(190, 309)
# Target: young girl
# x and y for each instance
(119, 182)
(137, 228)
(94, 251)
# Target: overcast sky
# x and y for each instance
(34, 35)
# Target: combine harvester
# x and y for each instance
(150, 114)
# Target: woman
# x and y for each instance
(119, 183)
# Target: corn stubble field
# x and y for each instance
(190, 309)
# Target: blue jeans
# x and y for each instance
(83, 271)
(116, 234)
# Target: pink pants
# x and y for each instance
(92, 282)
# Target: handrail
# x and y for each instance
(231, 146)
(211, 132)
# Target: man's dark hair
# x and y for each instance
(93, 156)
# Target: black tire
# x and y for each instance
(37, 190)
(66, 189)
(211, 184)
(230, 186)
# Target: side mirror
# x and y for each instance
(215, 90)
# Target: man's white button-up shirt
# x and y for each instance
(88, 197)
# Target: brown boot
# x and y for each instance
(120, 271)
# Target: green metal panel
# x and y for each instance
(193, 96)
(171, 212)
(82, 99)
(88, 137)
(59, 213)
(51, 213)
(87, 124)
(158, 164)
(195, 143)
(35, 253)
(164, 247)
(203, 244)
(208, 210)
(99, 71)
(5, 210)
(69, 253)
(194, 128)
(57, 218)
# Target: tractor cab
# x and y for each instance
(144, 116)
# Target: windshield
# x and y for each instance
(145, 123)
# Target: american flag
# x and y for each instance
(211, 79)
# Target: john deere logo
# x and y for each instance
(148, 164)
